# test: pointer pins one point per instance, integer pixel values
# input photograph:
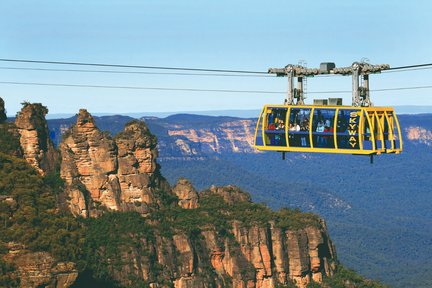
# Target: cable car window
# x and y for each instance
(367, 135)
(322, 128)
(298, 130)
(387, 135)
(347, 129)
(275, 126)
(378, 132)
(258, 133)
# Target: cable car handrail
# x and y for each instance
(311, 127)
(380, 131)
(399, 132)
(335, 128)
(263, 126)
(287, 126)
(390, 131)
(372, 135)
(360, 130)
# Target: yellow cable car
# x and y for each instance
(360, 129)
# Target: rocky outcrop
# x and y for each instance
(35, 142)
(419, 134)
(230, 194)
(100, 172)
(195, 137)
(3, 116)
(188, 196)
(39, 269)
(250, 254)
(121, 174)
(233, 136)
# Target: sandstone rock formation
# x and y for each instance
(193, 138)
(40, 269)
(230, 194)
(118, 174)
(121, 174)
(34, 138)
(188, 196)
(419, 134)
(250, 254)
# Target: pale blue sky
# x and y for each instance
(240, 35)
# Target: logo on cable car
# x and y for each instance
(352, 129)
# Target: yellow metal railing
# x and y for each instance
(372, 117)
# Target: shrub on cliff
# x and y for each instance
(347, 278)
(9, 140)
(35, 220)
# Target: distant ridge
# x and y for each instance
(252, 113)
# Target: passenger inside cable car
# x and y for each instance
(275, 131)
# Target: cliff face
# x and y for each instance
(9, 136)
(121, 174)
(188, 196)
(118, 174)
(419, 134)
(250, 253)
(191, 137)
(35, 142)
(40, 269)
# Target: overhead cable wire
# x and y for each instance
(138, 87)
(132, 72)
(254, 73)
(197, 89)
(407, 69)
(180, 73)
(411, 66)
(131, 66)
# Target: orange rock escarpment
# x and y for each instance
(255, 255)
(35, 142)
(419, 134)
(233, 136)
(188, 196)
(119, 174)
(40, 269)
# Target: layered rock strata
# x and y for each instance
(195, 138)
(188, 196)
(35, 141)
(121, 174)
(40, 269)
(252, 254)
(100, 172)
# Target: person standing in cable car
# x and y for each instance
(320, 129)
(328, 129)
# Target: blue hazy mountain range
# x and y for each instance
(405, 109)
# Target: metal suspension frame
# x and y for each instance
(360, 89)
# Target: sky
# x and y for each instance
(230, 35)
